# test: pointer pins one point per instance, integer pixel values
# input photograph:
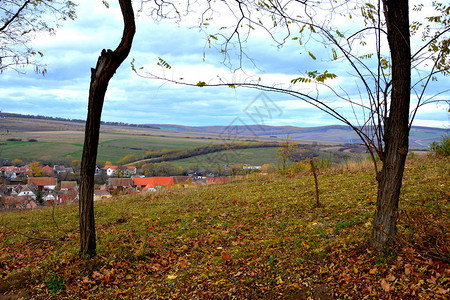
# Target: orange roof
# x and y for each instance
(154, 181)
(42, 181)
(68, 184)
(47, 168)
(110, 167)
(131, 167)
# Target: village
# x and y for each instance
(20, 190)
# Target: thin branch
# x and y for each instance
(15, 16)
(29, 236)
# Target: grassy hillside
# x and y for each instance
(56, 146)
(259, 238)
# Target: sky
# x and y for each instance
(70, 54)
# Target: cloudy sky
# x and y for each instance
(70, 54)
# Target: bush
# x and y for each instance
(441, 148)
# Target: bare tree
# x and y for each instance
(382, 111)
(20, 21)
(107, 64)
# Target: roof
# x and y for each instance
(131, 167)
(43, 181)
(47, 168)
(110, 167)
(154, 181)
(68, 184)
(120, 182)
(180, 179)
(101, 193)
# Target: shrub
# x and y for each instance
(441, 148)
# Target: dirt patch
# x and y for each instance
(317, 292)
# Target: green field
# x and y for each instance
(56, 146)
(253, 156)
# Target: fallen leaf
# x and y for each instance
(407, 269)
(386, 286)
(226, 257)
(170, 277)
(373, 271)
(390, 278)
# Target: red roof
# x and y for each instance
(42, 181)
(154, 181)
(110, 167)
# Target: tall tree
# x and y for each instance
(384, 72)
(20, 21)
(107, 64)
(396, 131)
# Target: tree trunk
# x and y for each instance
(396, 127)
(107, 64)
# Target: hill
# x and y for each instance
(420, 137)
(59, 141)
(256, 238)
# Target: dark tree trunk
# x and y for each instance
(107, 64)
(396, 127)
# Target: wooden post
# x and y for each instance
(313, 170)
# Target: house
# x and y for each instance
(155, 182)
(123, 183)
(27, 190)
(44, 183)
(49, 197)
(114, 170)
(67, 196)
(48, 170)
(212, 180)
(99, 194)
(61, 169)
(67, 185)
(14, 175)
(110, 170)
(18, 202)
(129, 171)
(249, 167)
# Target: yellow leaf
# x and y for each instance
(279, 280)
(170, 277)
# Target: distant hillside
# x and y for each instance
(420, 137)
